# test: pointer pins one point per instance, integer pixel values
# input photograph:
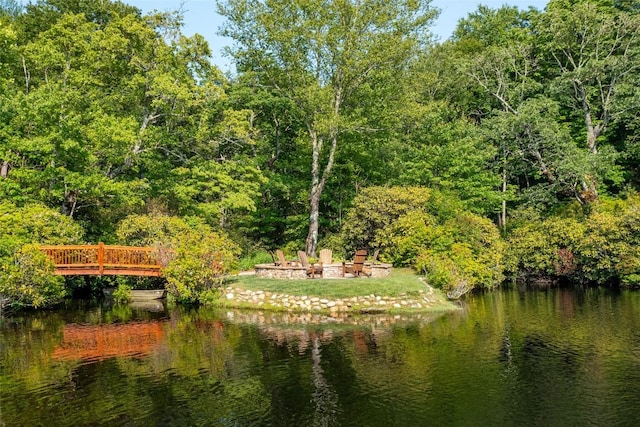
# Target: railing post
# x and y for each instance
(101, 257)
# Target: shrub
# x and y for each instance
(376, 208)
(28, 280)
(610, 249)
(600, 244)
(419, 227)
(34, 224)
(201, 257)
(407, 237)
(544, 249)
(464, 253)
(122, 294)
(249, 261)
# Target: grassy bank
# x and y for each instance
(402, 282)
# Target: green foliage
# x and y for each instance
(26, 274)
(447, 153)
(34, 224)
(544, 248)
(413, 226)
(27, 279)
(122, 294)
(248, 262)
(155, 229)
(376, 208)
(215, 191)
(404, 239)
(610, 249)
(197, 257)
(600, 246)
(464, 253)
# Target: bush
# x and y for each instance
(34, 224)
(122, 294)
(599, 245)
(260, 257)
(28, 279)
(610, 249)
(405, 239)
(200, 256)
(377, 208)
(544, 249)
(413, 226)
(464, 253)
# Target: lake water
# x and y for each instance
(545, 357)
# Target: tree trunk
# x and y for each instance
(317, 186)
(314, 216)
(70, 202)
(589, 191)
(4, 169)
(503, 214)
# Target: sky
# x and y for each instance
(200, 17)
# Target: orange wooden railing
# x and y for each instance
(101, 259)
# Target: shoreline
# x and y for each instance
(424, 301)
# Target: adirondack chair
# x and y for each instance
(357, 267)
(326, 256)
(374, 258)
(312, 269)
(282, 261)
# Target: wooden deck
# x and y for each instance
(101, 259)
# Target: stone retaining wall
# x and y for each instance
(369, 303)
(270, 271)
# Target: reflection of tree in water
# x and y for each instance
(324, 397)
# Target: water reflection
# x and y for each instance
(550, 357)
(96, 342)
(155, 306)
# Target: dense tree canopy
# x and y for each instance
(522, 116)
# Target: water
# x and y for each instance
(550, 357)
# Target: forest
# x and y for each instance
(509, 151)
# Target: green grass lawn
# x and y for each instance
(401, 281)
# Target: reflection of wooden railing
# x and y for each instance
(99, 342)
(102, 259)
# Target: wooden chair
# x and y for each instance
(374, 258)
(326, 256)
(312, 269)
(282, 261)
(357, 267)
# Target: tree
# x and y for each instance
(10, 8)
(593, 51)
(318, 54)
(104, 109)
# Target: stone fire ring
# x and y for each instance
(329, 271)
